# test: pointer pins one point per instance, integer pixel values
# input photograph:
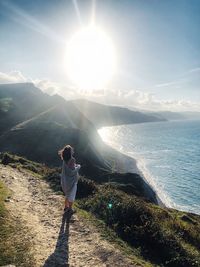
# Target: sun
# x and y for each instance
(90, 58)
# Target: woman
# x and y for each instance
(69, 176)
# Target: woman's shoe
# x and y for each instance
(72, 211)
(67, 209)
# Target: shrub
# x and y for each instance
(6, 158)
(86, 187)
(143, 225)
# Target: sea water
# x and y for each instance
(168, 155)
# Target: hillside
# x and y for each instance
(122, 202)
(169, 115)
(152, 236)
(103, 115)
(36, 125)
(191, 115)
(19, 102)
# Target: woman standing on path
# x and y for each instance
(69, 176)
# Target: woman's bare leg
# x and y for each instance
(70, 204)
(66, 203)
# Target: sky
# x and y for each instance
(157, 43)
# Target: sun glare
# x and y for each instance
(90, 58)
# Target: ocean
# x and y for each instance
(167, 154)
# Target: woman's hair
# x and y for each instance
(66, 153)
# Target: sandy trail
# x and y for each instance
(57, 241)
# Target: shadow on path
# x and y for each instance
(59, 258)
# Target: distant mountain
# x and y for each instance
(169, 115)
(191, 115)
(103, 115)
(36, 125)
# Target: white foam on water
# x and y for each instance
(163, 198)
(146, 160)
(186, 208)
(148, 177)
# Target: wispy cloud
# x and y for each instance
(129, 98)
(168, 83)
(183, 78)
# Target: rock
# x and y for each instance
(10, 265)
(7, 200)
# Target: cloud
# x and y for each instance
(143, 100)
(12, 77)
(45, 85)
(186, 77)
(168, 83)
(124, 97)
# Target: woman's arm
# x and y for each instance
(78, 166)
(75, 171)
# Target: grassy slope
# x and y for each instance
(14, 248)
(165, 237)
(48, 124)
(156, 236)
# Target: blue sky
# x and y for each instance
(157, 43)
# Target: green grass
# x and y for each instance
(22, 163)
(14, 247)
(108, 234)
(164, 238)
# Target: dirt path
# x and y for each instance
(56, 240)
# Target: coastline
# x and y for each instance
(122, 163)
(166, 157)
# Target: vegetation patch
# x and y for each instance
(5, 104)
(107, 233)
(14, 246)
(161, 234)
(22, 163)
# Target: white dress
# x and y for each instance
(69, 180)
